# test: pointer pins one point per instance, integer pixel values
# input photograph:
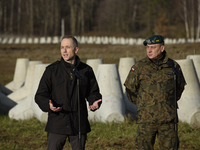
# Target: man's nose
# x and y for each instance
(149, 50)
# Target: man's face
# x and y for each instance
(154, 51)
(68, 50)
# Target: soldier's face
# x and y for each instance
(154, 51)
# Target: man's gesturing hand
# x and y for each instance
(53, 108)
(95, 105)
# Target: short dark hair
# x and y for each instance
(75, 42)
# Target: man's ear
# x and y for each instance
(76, 50)
(163, 48)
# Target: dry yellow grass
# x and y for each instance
(109, 53)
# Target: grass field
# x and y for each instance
(30, 135)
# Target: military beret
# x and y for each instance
(154, 39)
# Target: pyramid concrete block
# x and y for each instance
(10, 40)
(27, 108)
(42, 40)
(37, 112)
(24, 91)
(5, 40)
(196, 61)
(19, 74)
(94, 63)
(189, 104)
(23, 40)
(17, 40)
(36, 40)
(30, 40)
(48, 40)
(125, 65)
(113, 107)
(22, 110)
(55, 40)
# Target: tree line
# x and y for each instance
(131, 18)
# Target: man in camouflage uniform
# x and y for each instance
(150, 85)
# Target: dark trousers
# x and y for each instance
(57, 141)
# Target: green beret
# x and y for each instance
(154, 39)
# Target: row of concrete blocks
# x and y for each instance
(89, 40)
(115, 104)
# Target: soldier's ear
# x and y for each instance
(162, 48)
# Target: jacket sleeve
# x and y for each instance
(180, 83)
(94, 92)
(131, 85)
(43, 93)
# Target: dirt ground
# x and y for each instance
(49, 53)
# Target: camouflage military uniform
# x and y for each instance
(150, 85)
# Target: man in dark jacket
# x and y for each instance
(58, 92)
(150, 85)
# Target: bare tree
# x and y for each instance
(186, 19)
(46, 17)
(31, 18)
(57, 17)
(19, 17)
(192, 15)
(1, 14)
(11, 16)
(198, 25)
(73, 10)
(83, 15)
(5, 18)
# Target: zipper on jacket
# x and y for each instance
(71, 77)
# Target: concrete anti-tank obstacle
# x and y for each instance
(42, 40)
(37, 112)
(55, 39)
(30, 40)
(17, 40)
(26, 108)
(19, 74)
(22, 110)
(189, 104)
(94, 63)
(90, 40)
(196, 61)
(24, 91)
(125, 65)
(113, 107)
(23, 40)
(105, 40)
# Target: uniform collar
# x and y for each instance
(162, 60)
